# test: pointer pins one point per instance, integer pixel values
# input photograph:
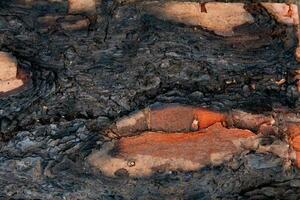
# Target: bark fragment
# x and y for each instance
(221, 18)
(82, 7)
(9, 79)
(284, 13)
(170, 151)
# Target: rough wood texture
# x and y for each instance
(90, 69)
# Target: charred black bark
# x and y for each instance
(88, 71)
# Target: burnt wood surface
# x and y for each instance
(123, 61)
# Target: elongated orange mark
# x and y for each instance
(189, 145)
(294, 140)
(207, 118)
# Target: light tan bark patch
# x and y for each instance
(82, 6)
(221, 18)
(284, 13)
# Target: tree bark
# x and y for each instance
(90, 69)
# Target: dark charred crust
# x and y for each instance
(90, 68)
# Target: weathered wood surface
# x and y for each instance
(90, 69)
